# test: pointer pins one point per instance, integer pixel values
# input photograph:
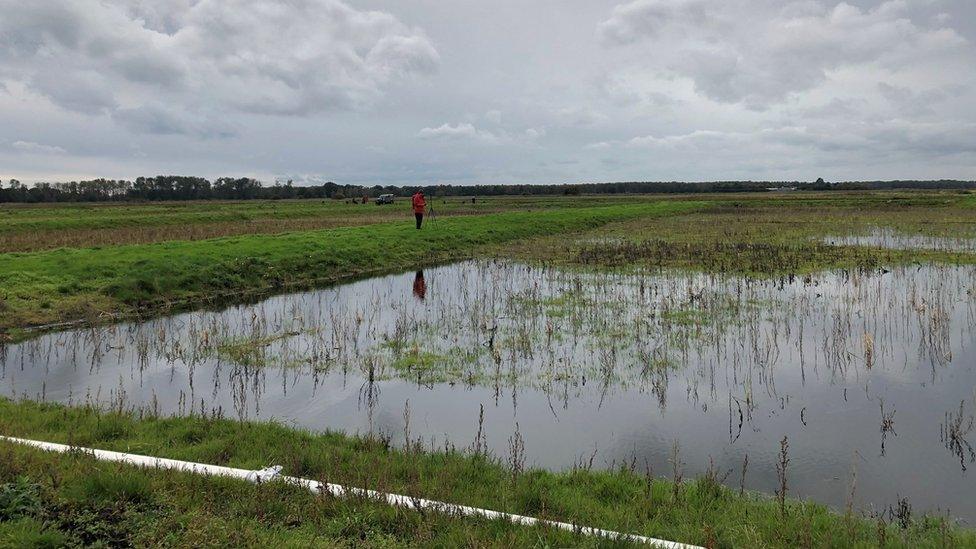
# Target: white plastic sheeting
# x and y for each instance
(274, 473)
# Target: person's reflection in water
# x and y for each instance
(419, 286)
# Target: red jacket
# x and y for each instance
(419, 204)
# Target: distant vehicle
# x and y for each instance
(384, 199)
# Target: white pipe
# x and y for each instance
(273, 473)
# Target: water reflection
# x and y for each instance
(419, 286)
(865, 371)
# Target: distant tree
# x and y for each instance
(170, 187)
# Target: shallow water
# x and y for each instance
(895, 240)
(587, 367)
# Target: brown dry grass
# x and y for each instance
(116, 236)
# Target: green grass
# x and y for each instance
(73, 496)
(28, 228)
(46, 217)
(98, 284)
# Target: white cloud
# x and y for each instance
(462, 130)
(695, 140)
(29, 147)
(467, 131)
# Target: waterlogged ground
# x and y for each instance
(869, 375)
(899, 240)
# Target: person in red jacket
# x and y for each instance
(419, 205)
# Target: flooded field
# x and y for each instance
(869, 376)
(898, 240)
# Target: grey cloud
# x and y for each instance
(82, 35)
(579, 116)
(343, 59)
(882, 139)
(158, 120)
(930, 139)
(895, 93)
(780, 49)
(836, 107)
(76, 90)
(164, 17)
(911, 102)
(385, 91)
(269, 57)
(642, 19)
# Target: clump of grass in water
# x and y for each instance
(953, 433)
(868, 350)
(250, 351)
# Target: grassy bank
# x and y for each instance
(72, 497)
(28, 228)
(97, 284)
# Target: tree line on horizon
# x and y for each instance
(174, 187)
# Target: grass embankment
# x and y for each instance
(774, 236)
(26, 228)
(72, 498)
(98, 284)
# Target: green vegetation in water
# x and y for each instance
(250, 351)
(528, 327)
(426, 367)
(71, 498)
(771, 237)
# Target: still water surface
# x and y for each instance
(873, 372)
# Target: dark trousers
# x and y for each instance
(420, 219)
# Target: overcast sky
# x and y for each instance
(464, 91)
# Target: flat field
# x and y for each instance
(724, 370)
